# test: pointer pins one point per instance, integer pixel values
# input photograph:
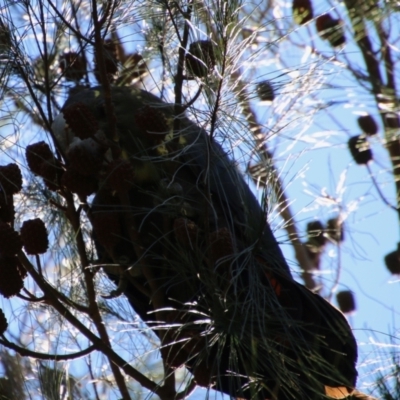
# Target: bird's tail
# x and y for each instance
(356, 395)
(346, 394)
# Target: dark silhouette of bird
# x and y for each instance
(185, 240)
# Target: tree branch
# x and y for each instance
(44, 356)
(380, 91)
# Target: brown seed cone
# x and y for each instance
(85, 157)
(186, 232)
(265, 91)
(360, 149)
(5, 38)
(315, 233)
(11, 282)
(201, 58)
(6, 207)
(368, 124)
(36, 154)
(335, 230)
(34, 236)
(346, 301)
(10, 179)
(79, 184)
(72, 66)
(81, 120)
(152, 123)
(302, 11)
(392, 261)
(221, 244)
(120, 175)
(330, 29)
(107, 228)
(3, 322)
(10, 241)
(322, 23)
(110, 60)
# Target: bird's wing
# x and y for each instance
(232, 199)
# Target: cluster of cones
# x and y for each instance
(122, 69)
(32, 236)
(88, 164)
(119, 67)
(328, 28)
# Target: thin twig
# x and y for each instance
(378, 189)
(76, 32)
(73, 217)
(100, 59)
(179, 72)
(31, 297)
(52, 300)
(44, 356)
(283, 203)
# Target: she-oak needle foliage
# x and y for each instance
(124, 129)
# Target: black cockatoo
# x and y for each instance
(185, 240)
